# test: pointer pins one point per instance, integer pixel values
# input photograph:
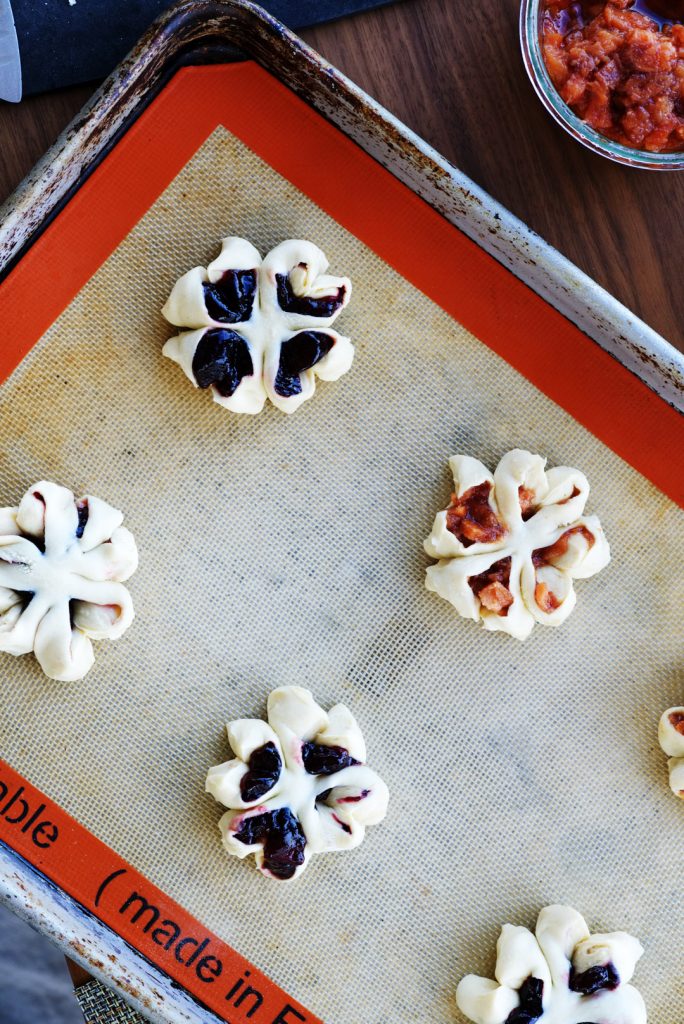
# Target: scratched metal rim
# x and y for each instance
(99, 950)
(530, 41)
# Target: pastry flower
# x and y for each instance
(559, 975)
(260, 328)
(671, 739)
(62, 563)
(297, 785)
(511, 543)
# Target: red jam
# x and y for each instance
(619, 70)
(472, 519)
(545, 598)
(551, 554)
(677, 721)
(528, 506)
(491, 587)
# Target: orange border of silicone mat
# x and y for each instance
(403, 230)
(101, 881)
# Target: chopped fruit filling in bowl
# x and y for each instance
(612, 73)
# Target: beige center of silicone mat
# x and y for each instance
(278, 550)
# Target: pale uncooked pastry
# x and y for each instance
(260, 328)
(671, 739)
(62, 563)
(511, 543)
(564, 975)
(297, 785)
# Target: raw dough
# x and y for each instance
(563, 976)
(62, 563)
(671, 739)
(260, 328)
(297, 785)
(511, 542)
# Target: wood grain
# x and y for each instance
(439, 66)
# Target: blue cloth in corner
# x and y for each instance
(82, 40)
(35, 982)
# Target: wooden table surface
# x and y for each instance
(443, 70)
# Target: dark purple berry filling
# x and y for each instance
(83, 512)
(321, 760)
(300, 353)
(593, 980)
(222, 358)
(282, 838)
(306, 305)
(530, 1007)
(264, 771)
(230, 299)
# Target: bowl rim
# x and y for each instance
(535, 66)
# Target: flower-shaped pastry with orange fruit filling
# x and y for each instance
(260, 328)
(297, 786)
(62, 565)
(560, 975)
(511, 543)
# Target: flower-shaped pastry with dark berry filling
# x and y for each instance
(671, 739)
(260, 328)
(559, 975)
(297, 786)
(62, 564)
(511, 543)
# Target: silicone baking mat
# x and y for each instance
(288, 550)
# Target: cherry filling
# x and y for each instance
(491, 587)
(263, 772)
(83, 512)
(300, 353)
(321, 760)
(230, 299)
(354, 799)
(594, 979)
(307, 305)
(282, 838)
(530, 1007)
(222, 358)
(471, 518)
(547, 601)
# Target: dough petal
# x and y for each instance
(518, 957)
(103, 521)
(342, 730)
(62, 652)
(484, 1001)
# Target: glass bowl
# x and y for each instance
(530, 40)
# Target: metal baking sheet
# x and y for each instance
(280, 550)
